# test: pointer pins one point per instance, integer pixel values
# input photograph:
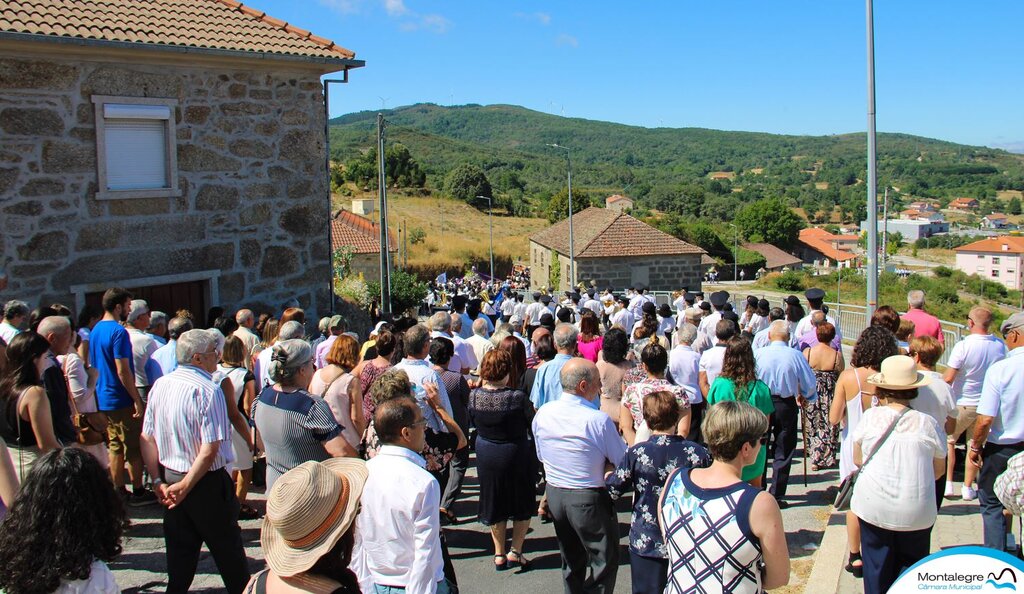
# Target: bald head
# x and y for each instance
(538, 332)
(982, 319)
(480, 327)
(580, 376)
(779, 330)
(244, 318)
(818, 318)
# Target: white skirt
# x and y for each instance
(243, 455)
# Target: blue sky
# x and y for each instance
(944, 69)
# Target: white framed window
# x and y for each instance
(995, 260)
(136, 150)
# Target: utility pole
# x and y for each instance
(885, 228)
(405, 244)
(385, 251)
(872, 263)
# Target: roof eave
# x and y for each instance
(329, 64)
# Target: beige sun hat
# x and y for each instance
(310, 507)
(899, 372)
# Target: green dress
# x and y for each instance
(757, 395)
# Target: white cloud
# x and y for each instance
(395, 7)
(541, 17)
(434, 23)
(567, 40)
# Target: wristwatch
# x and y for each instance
(158, 481)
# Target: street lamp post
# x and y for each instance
(490, 230)
(572, 246)
(735, 253)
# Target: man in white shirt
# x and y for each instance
(15, 315)
(706, 329)
(999, 430)
(684, 370)
(520, 308)
(441, 326)
(416, 343)
(593, 304)
(479, 342)
(143, 347)
(761, 339)
(970, 358)
(508, 306)
(576, 442)
(246, 321)
(815, 301)
(710, 366)
(463, 348)
(533, 313)
(622, 317)
(398, 531)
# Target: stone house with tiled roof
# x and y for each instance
(361, 237)
(614, 249)
(174, 147)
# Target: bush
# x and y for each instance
(406, 291)
(790, 280)
(943, 271)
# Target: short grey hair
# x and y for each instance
(440, 322)
(195, 342)
(58, 325)
(687, 333)
(915, 299)
(139, 308)
(291, 330)
(456, 321)
(322, 324)
(288, 357)
(565, 337)
(156, 318)
(818, 318)
(572, 375)
(415, 340)
(500, 332)
(480, 327)
(15, 308)
(243, 316)
(178, 326)
(779, 328)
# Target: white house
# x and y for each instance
(997, 258)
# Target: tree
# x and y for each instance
(407, 291)
(558, 206)
(771, 221)
(1013, 207)
(466, 182)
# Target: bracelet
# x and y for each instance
(158, 481)
(976, 449)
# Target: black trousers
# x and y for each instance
(784, 433)
(209, 514)
(886, 553)
(588, 538)
(993, 522)
(696, 416)
(649, 575)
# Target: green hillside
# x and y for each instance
(670, 169)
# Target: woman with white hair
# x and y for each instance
(293, 425)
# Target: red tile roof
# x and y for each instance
(1014, 244)
(359, 233)
(212, 24)
(604, 233)
(822, 241)
(616, 198)
(773, 256)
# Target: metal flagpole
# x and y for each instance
(872, 260)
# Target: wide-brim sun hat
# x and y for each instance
(309, 508)
(898, 372)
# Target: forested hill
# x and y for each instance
(672, 169)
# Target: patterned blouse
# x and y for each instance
(633, 397)
(645, 468)
(367, 376)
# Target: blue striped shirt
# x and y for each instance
(294, 427)
(185, 410)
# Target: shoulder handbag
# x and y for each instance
(90, 428)
(845, 494)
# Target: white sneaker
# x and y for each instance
(949, 491)
(968, 494)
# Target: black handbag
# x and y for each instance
(845, 494)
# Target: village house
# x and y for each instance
(175, 148)
(995, 221)
(999, 259)
(923, 206)
(360, 237)
(964, 204)
(775, 258)
(613, 249)
(818, 247)
(913, 214)
(619, 203)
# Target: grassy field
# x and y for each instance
(456, 233)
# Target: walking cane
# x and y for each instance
(769, 449)
(803, 434)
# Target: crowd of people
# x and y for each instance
(363, 443)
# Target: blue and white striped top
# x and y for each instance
(185, 410)
(294, 427)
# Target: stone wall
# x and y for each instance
(664, 273)
(250, 149)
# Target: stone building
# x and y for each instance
(613, 249)
(173, 147)
(362, 238)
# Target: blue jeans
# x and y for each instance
(993, 523)
(442, 588)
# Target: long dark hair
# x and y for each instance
(873, 346)
(794, 312)
(67, 515)
(648, 327)
(515, 348)
(21, 370)
(738, 364)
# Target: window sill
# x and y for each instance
(130, 194)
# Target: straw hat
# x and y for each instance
(310, 507)
(899, 372)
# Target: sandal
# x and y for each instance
(248, 512)
(449, 517)
(500, 566)
(518, 561)
(856, 570)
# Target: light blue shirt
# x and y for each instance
(166, 357)
(761, 340)
(574, 442)
(420, 372)
(547, 385)
(785, 371)
(1002, 398)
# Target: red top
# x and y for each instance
(925, 324)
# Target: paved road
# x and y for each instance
(142, 565)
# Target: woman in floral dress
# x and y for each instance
(827, 363)
(654, 362)
(645, 468)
